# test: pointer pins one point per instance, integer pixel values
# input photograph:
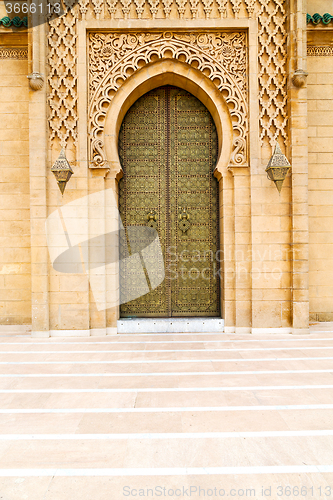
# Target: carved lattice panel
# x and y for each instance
(168, 149)
(62, 77)
(273, 71)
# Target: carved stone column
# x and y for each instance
(299, 161)
(38, 200)
(227, 251)
(242, 249)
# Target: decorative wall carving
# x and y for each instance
(62, 78)
(13, 53)
(320, 50)
(273, 71)
(113, 57)
(271, 15)
(159, 9)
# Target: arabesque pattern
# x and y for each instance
(222, 57)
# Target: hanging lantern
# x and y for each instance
(278, 167)
(62, 171)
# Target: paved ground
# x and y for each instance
(167, 416)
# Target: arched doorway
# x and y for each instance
(168, 151)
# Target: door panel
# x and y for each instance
(168, 150)
(142, 152)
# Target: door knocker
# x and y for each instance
(183, 223)
(152, 219)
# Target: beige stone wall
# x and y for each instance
(15, 255)
(320, 102)
(264, 234)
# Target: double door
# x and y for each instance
(168, 151)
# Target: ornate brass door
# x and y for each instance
(168, 151)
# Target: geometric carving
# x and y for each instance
(222, 57)
(62, 78)
(272, 71)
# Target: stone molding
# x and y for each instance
(221, 56)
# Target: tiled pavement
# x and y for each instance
(167, 416)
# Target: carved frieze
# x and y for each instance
(222, 57)
(164, 9)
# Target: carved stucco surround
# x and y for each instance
(220, 81)
(174, 72)
(168, 72)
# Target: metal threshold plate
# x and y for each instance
(170, 325)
